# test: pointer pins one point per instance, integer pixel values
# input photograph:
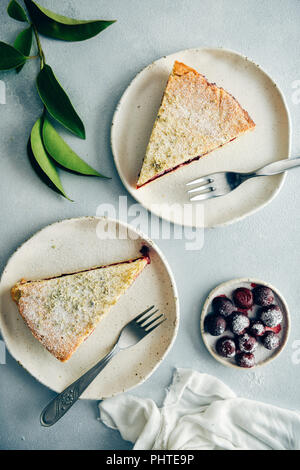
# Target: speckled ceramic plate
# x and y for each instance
(269, 142)
(78, 244)
(262, 355)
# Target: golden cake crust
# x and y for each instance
(195, 117)
(63, 311)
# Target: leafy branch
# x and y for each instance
(46, 148)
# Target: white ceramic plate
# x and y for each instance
(269, 142)
(262, 355)
(73, 245)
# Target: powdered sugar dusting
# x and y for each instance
(262, 353)
(195, 118)
(239, 322)
(247, 343)
(271, 340)
(247, 360)
(63, 311)
(257, 328)
(271, 316)
(255, 379)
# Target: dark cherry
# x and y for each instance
(257, 328)
(226, 347)
(243, 298)
(263, 296)
(246, 360)
(271, 340)
(215, 324)
(222, 306)
(238, 323)
(270, 316)
(247, 343)
(145, 252)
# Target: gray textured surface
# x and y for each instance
(95, 73)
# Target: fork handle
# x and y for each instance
(277, 167)
(66, 399)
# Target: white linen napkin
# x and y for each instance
(201, 413)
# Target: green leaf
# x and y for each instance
(63, 154)
(57, 102)
(61, 27)
(16, 12)
(23, 43)
(42, 158)
(10, 58)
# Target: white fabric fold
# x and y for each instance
(201, 413)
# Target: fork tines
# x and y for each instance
(146, 321)
(203, 179)
(204, 188)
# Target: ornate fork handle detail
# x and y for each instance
(66, 399)
(133, 332)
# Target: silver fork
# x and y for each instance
(219, 184)
(130, 335)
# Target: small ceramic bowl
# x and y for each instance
(262, 355)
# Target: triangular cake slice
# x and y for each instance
(195, 117)
(62, 312)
